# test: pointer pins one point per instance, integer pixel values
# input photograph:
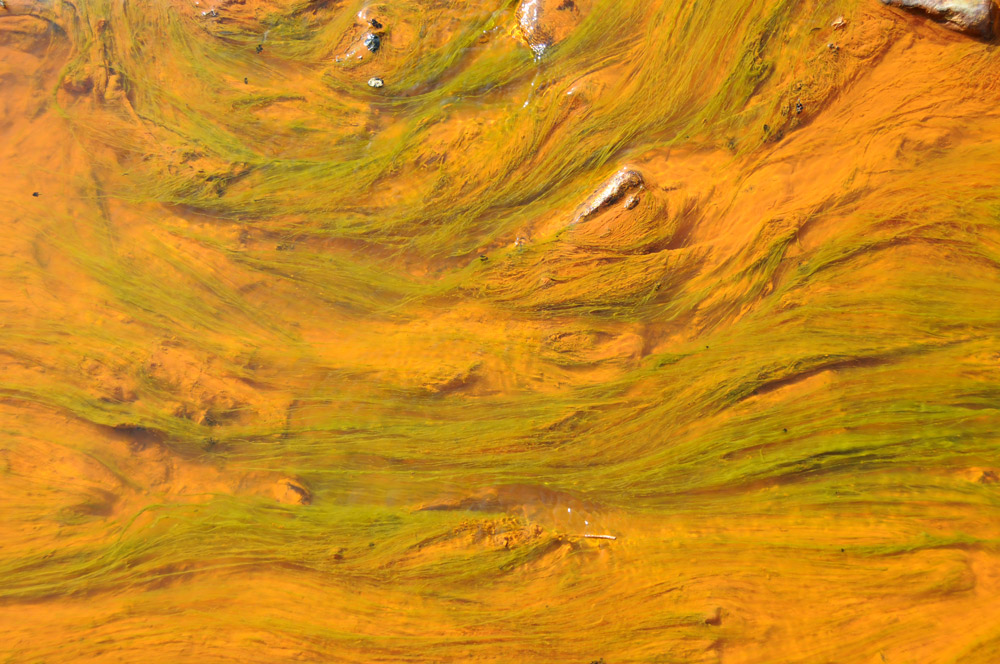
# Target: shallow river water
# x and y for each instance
(485, 331)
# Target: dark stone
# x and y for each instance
(373, 42)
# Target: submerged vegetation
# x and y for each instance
(295, 367)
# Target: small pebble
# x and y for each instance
(372, 42)
(375, 82)
(375, 24)
(246, 80)
(260, 47)
(35, 194)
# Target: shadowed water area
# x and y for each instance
(600, 331)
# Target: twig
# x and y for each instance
(610, 537)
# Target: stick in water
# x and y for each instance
(610, 537)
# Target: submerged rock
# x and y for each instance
(715, 617)
(545, 22)
(78, 85)
(291, 491)
(624, 215)
(974, 17)
(621, 183)
(988, 477)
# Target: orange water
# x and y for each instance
(297, 369)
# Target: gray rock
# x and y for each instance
(973, 17)
(375, 82)
(612, 191)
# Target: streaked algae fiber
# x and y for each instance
(297, 369)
